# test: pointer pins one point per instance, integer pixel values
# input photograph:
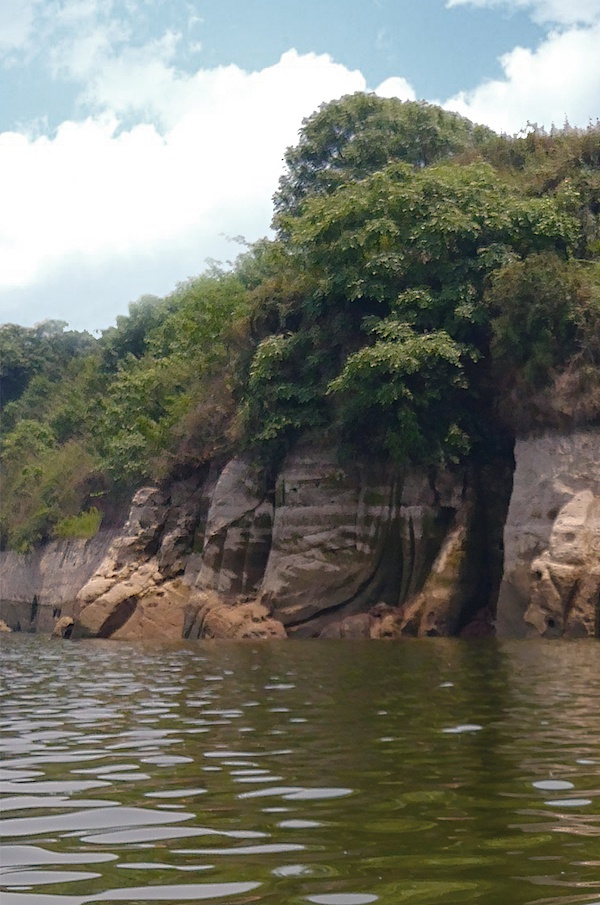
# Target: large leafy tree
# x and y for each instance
(386, 343)
(350, 138)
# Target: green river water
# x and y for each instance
(340, 773)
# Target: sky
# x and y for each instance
(139, 138)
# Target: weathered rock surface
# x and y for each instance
(210, 616)
(63, 627)
(133, 593)
(237, 536)
(552, 538)
(35, 586)
(335, 540)
(348, 539)
(360, 550)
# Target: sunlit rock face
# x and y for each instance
(551, 582)
(137, 590)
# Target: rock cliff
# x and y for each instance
(359, 550)
(36, 586)
(551, 582)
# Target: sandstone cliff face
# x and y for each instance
(329, 550)
(551, 580)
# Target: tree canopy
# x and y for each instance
(353, 137)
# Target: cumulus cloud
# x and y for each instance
(396, 87)
(97, 193)
(563, 12)
(558, 80)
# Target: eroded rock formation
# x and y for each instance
(551, 580)
(358, 550)
(329, 550)
(39, 587)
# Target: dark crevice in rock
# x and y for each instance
(570, 597)
(118, 617)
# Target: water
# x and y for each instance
(435, 771)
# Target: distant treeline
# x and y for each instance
(432, 289)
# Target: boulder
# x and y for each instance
(139, 568)
(216, 618)
(565, 580)
(63, 627)
(159, 614)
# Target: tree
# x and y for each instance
(388, 339)
(351, 138)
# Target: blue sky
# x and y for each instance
(137, 135)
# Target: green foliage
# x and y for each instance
(85, 525)
(147, 410)
(41, 486)
(386, 339)
(545, 350)
(42, 350)
(130, 336)
(404, 391)
(398, 229)
(351, 138)
(534, 324)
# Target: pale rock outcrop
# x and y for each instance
(565, 579)
(160, 613)
(136, 576)
(551, 580)
(63, 627)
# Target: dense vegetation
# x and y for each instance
(432, 288)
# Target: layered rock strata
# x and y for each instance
(329, 550)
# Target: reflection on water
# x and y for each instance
(337, 773)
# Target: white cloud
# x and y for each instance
(96, 195)
(396, 87)
(559, 12)
(558, 80)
